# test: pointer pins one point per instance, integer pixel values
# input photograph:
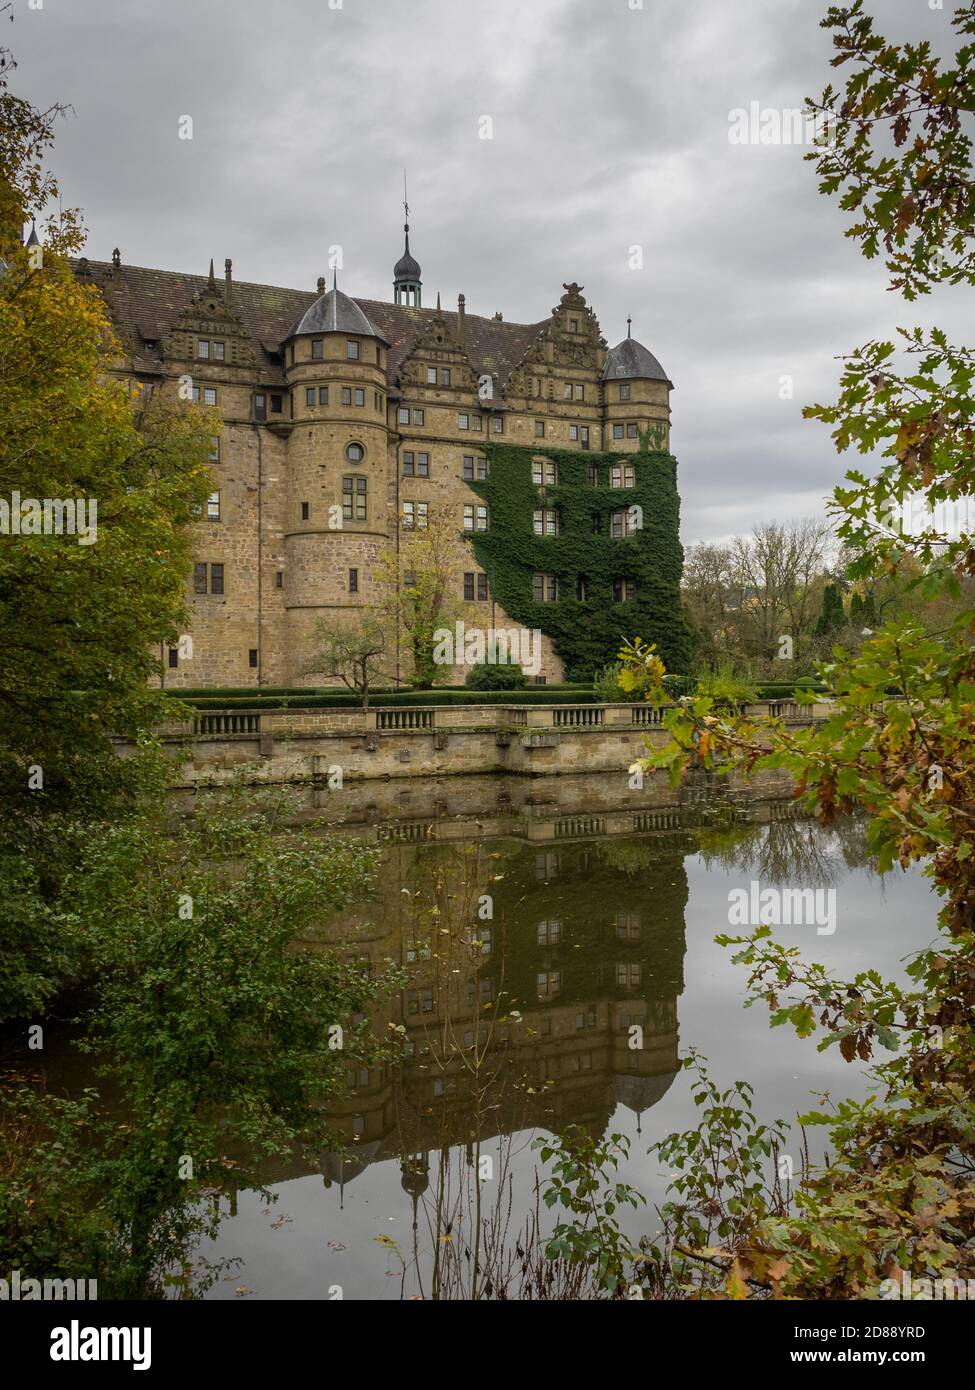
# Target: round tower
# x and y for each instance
(336, 525)
(636, 395)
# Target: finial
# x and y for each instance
(438, 301)
(211, 280)
(335, 278)
(116, 258)
(321, 284)
(628, 323)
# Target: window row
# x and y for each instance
(349, 395)
(352, 350)
(546, 588)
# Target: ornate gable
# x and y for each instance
(571, 338)
(211, 314)
(436, 347)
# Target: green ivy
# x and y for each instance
(586, 634)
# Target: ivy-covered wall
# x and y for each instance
(586, 634)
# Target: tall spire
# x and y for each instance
(406, 272)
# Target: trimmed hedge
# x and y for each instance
(297, 699)
(536, 695)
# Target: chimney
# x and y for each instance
(228, 266)
(461, 305)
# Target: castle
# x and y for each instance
(347, 423)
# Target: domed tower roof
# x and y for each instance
(407, 267)
(630, 360)
(335, 312)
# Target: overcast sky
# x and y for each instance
(610, 130)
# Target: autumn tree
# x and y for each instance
(83, 616)
(416, 579)
(354, 653)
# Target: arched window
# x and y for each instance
(355, 453)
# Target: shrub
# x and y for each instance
(494, 677)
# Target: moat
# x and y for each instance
(515, 1020)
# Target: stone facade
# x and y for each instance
(344, 424)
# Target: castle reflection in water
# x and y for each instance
(555, 1009)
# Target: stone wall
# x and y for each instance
(333, 747)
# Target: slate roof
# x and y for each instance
(145, 303)
(630, 359)
(334, 312)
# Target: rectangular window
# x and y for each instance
(539, 429)
(580, 391)
(592, 476)
(545, 588)
(352, 351)
(474, 467)
(546, 522)
(617, 431)
(346, 395)
(544, 472)
(497, 424)
(277, 405)
(323, 395)
(199, 579)
(550, 933)
(574, 432)
(252, 657)
(279, 579)
(219, 352)
(203, 350)
(354, 496)
(463, 422)
(318, 348)
(418, 417)
(444, 376)
(360, 395)
(622, 475)
(216, 579)
(624, 390)
(214, 454)
(310, 396)
(469, 587)
(475, 518)
(567, 390)
(403, 415)
(431, 376)
(482, 588)
(624, 590)
(353, 581)
(631, 431)
(173, 658)
(213, 507)
(584, 436)
(209, 395)
(305, 511)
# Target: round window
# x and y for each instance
(355, 453)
